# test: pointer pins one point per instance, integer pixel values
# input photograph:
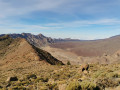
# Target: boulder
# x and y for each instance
(9, 79)
(1, 87)
(85, 67)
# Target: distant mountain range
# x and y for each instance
(85, 48)
(65, 40)
(91, 47)
(38, 40)
(79, 47)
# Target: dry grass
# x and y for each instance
(55, 77)
(34, 73)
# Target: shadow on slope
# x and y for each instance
(15, 50)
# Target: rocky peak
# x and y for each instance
(37, 40)
(40, 35)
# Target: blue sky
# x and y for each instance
(79, 19)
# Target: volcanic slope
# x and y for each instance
(91, 48)
(18, 52)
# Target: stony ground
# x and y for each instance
(66, 77)
(66, 55)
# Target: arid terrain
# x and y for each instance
(61, 65)
(59, 45)
(74, 50)
(90, 47)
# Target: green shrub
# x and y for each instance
(96, 74)
(87, 85)
(53, 86)
(68, 63)
(18, 88)
(25, 83)
(42, 79)
(116, 75)
(33, 76)
(107, 82)
(74, 86)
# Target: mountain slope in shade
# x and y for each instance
(36, 40)
(19, 52)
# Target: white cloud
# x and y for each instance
(13, 8)
(22, 7)
(18, 28)
(99, 10)
(6, 25)
(86, 23)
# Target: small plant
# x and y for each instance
(18, 88)
(68, 63)
(42, 79)
(107, 82)
(74, 86)
(53, 86)
(31, 76)
(87, 85)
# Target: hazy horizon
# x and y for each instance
(60, 37)
(76, 19)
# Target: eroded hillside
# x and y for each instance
(90, 48)
(26, 67)
(19, 53)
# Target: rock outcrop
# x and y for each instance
(14, 78)
(85, 67)
(36, 40)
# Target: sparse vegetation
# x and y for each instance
(74, 86)
(68, 76)
(33, 74)
(68, 63)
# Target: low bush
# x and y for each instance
(87, 85)
(68, 63)
(74, 86)
(53, 86)
(33, 76)
(107, 82)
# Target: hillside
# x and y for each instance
(18, 52)
(26, 67)
(87, 48)
(75, 50)
(90, 48)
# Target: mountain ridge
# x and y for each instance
(18, 50)
(36, 40)
(79, 47)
